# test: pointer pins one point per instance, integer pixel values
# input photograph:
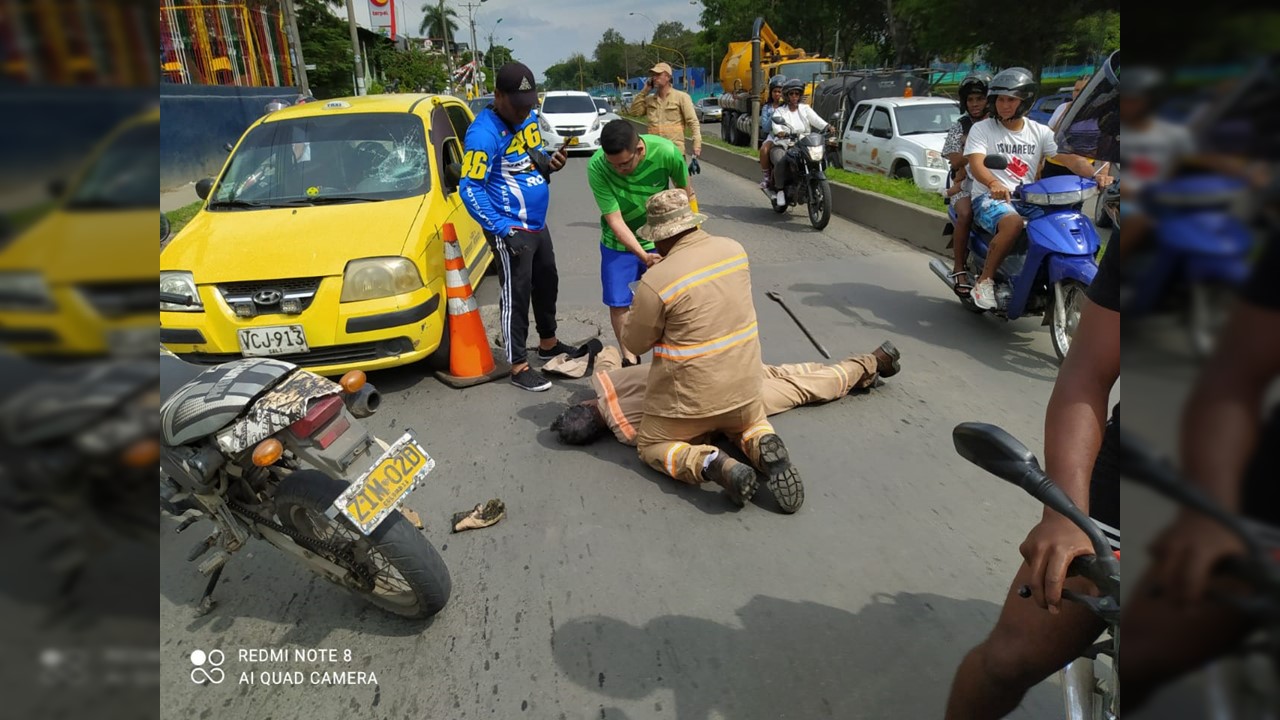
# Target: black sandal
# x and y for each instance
(962, 289)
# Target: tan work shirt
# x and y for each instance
(669, 117)
(694, 310)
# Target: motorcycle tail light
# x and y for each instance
(319, 414)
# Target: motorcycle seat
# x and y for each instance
(175, 373)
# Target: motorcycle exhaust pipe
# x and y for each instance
(943, 271)
(364, 402)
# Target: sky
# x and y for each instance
(543, 34)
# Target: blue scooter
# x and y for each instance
(1198, 255)
(1051, 263)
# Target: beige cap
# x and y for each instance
(660, 68)
(669, 214)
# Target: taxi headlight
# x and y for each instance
(373, 278)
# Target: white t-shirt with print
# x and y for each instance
(1026, 149)
(1150, 155)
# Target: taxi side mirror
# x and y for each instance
(203, 187)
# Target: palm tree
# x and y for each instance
(431, 20)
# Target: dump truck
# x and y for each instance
(745, 73)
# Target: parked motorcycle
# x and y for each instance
(1051, 264)
(1089, 692)
(799, 176)
(266, 449)
(1198, 255)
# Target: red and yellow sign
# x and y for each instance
(382, 15)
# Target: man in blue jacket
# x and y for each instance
(504, 186)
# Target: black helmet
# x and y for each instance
(976, 82)
(794, 85)
(777, 81)
(1013, 82)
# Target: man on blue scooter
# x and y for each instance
(1026, 144)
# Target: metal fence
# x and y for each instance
(224, 44)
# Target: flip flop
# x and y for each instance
(481, 516)
(961, 289)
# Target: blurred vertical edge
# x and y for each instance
(79, 167)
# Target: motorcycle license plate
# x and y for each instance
(278, 340)
(379, 491)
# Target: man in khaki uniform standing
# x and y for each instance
(667, 110)
(694, 310)
(618, 406)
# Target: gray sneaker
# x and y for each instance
(531, 380)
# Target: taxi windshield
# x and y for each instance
(308, 160)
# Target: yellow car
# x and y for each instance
(320, 243)
(79, 283)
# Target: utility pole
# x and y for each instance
(355, 47)
(444, 38)
(471, 20)
(295, 44)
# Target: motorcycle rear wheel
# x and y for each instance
(410, 578)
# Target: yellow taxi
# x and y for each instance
(320, 243)
(80, 282)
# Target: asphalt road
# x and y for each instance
(613, 592)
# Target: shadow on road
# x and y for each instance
(937, 321)
(893, 659)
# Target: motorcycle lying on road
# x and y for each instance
(266, 449)
(1087, 693)
(1052, 262)
(799, 176)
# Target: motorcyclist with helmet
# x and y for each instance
(1025, 143)
(973, 96)
(766, 122)
(794, 118)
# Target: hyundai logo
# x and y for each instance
(268, 297)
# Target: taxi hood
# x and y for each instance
(85, 246)
(309, 241)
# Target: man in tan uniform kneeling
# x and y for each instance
(618, 406)
(694, 310)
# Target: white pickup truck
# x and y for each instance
(900, 137)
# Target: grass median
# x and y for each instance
(180, 217)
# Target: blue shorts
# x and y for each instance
(618, 269)
(988, 213)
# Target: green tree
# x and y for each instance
(432, 25)
(411, 69)
(326, 42)
(612, 56)
(1094, 37)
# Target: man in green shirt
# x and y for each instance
(624, 173)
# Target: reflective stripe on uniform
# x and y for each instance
(688, 352)
(615, 409)
(671, 457)
(706, 274)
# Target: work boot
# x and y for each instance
(887, 359)
(737, 479)
(783, 480)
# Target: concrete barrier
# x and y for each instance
(898, 219)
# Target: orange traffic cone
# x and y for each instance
(470, 359)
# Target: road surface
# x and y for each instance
(610, 591)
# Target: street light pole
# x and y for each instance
(295, 44)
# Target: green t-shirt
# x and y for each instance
(662, 164)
